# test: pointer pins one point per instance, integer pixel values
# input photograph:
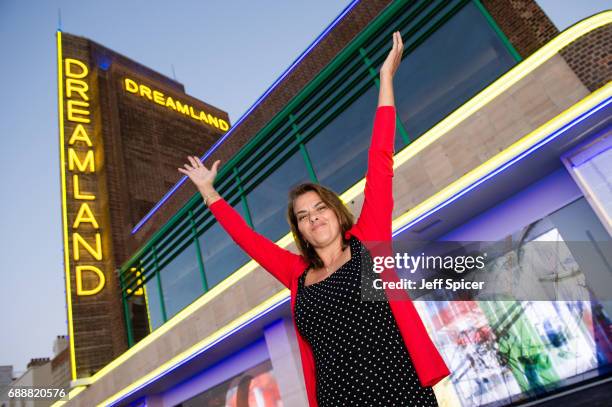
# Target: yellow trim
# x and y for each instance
(201, 344)
(71, 394)
(474, 104)
(60, 103)
(504, 156)
(146, 297)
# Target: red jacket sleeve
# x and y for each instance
(374, 223)
(281, 263)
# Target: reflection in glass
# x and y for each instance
(339, 152)
(181, 281)
(500, 351)
(153, 303)
(268, 200)
(449, 67)
(220, 254)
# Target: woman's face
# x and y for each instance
(316, 221)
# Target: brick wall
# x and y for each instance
(523, 22)
(590, 57)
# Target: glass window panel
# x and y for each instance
(446, 70)
(339, 152)
(268, 201)
(181, 281)
(154, 304)
(220, 254)
(529, 347)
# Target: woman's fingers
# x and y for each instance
(215, 166)
(195, 163)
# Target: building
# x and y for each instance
(6, 378)
(36, 376)
(503, 135)
(122, 128)
(60, 363)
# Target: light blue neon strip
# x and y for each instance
(504, 166)
(204, 349)
(533, 148)
(245, 115)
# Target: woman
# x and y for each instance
(353, 352)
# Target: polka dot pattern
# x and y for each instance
(360, 356)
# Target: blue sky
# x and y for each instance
(225, 53)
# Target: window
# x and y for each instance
(448, 68)
(181, 281)
(221, 255)
(268, 200)
(339, 153)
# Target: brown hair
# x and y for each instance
(333, 201)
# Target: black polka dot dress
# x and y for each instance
(360, 356)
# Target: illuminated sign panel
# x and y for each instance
(85, 216)
(158, 97)
(120, 122)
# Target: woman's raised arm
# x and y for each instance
(374, 223)
(281, 263)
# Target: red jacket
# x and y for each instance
(374, 224)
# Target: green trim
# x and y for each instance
(128, 322)
(243, 200)
(368, 63)
(374, 74)
(157, 274)
(505, 40)
(198, 253)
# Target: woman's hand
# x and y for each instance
(389, 67)
(387, 71)
(201, 176)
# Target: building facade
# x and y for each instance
(122, 128)
(503, 136)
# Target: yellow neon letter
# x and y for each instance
(145, 91)
(158, 97)
(85, 215)
(71, 111)
(203, 118)
(170, 103)
(131, 86)
(183, 109)
(223, 125)
(213, 120)
(77, 190)
(73, 159)
(79, 280)
(79, 134)
(77, 86)
(75, 63)
(77, 240)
